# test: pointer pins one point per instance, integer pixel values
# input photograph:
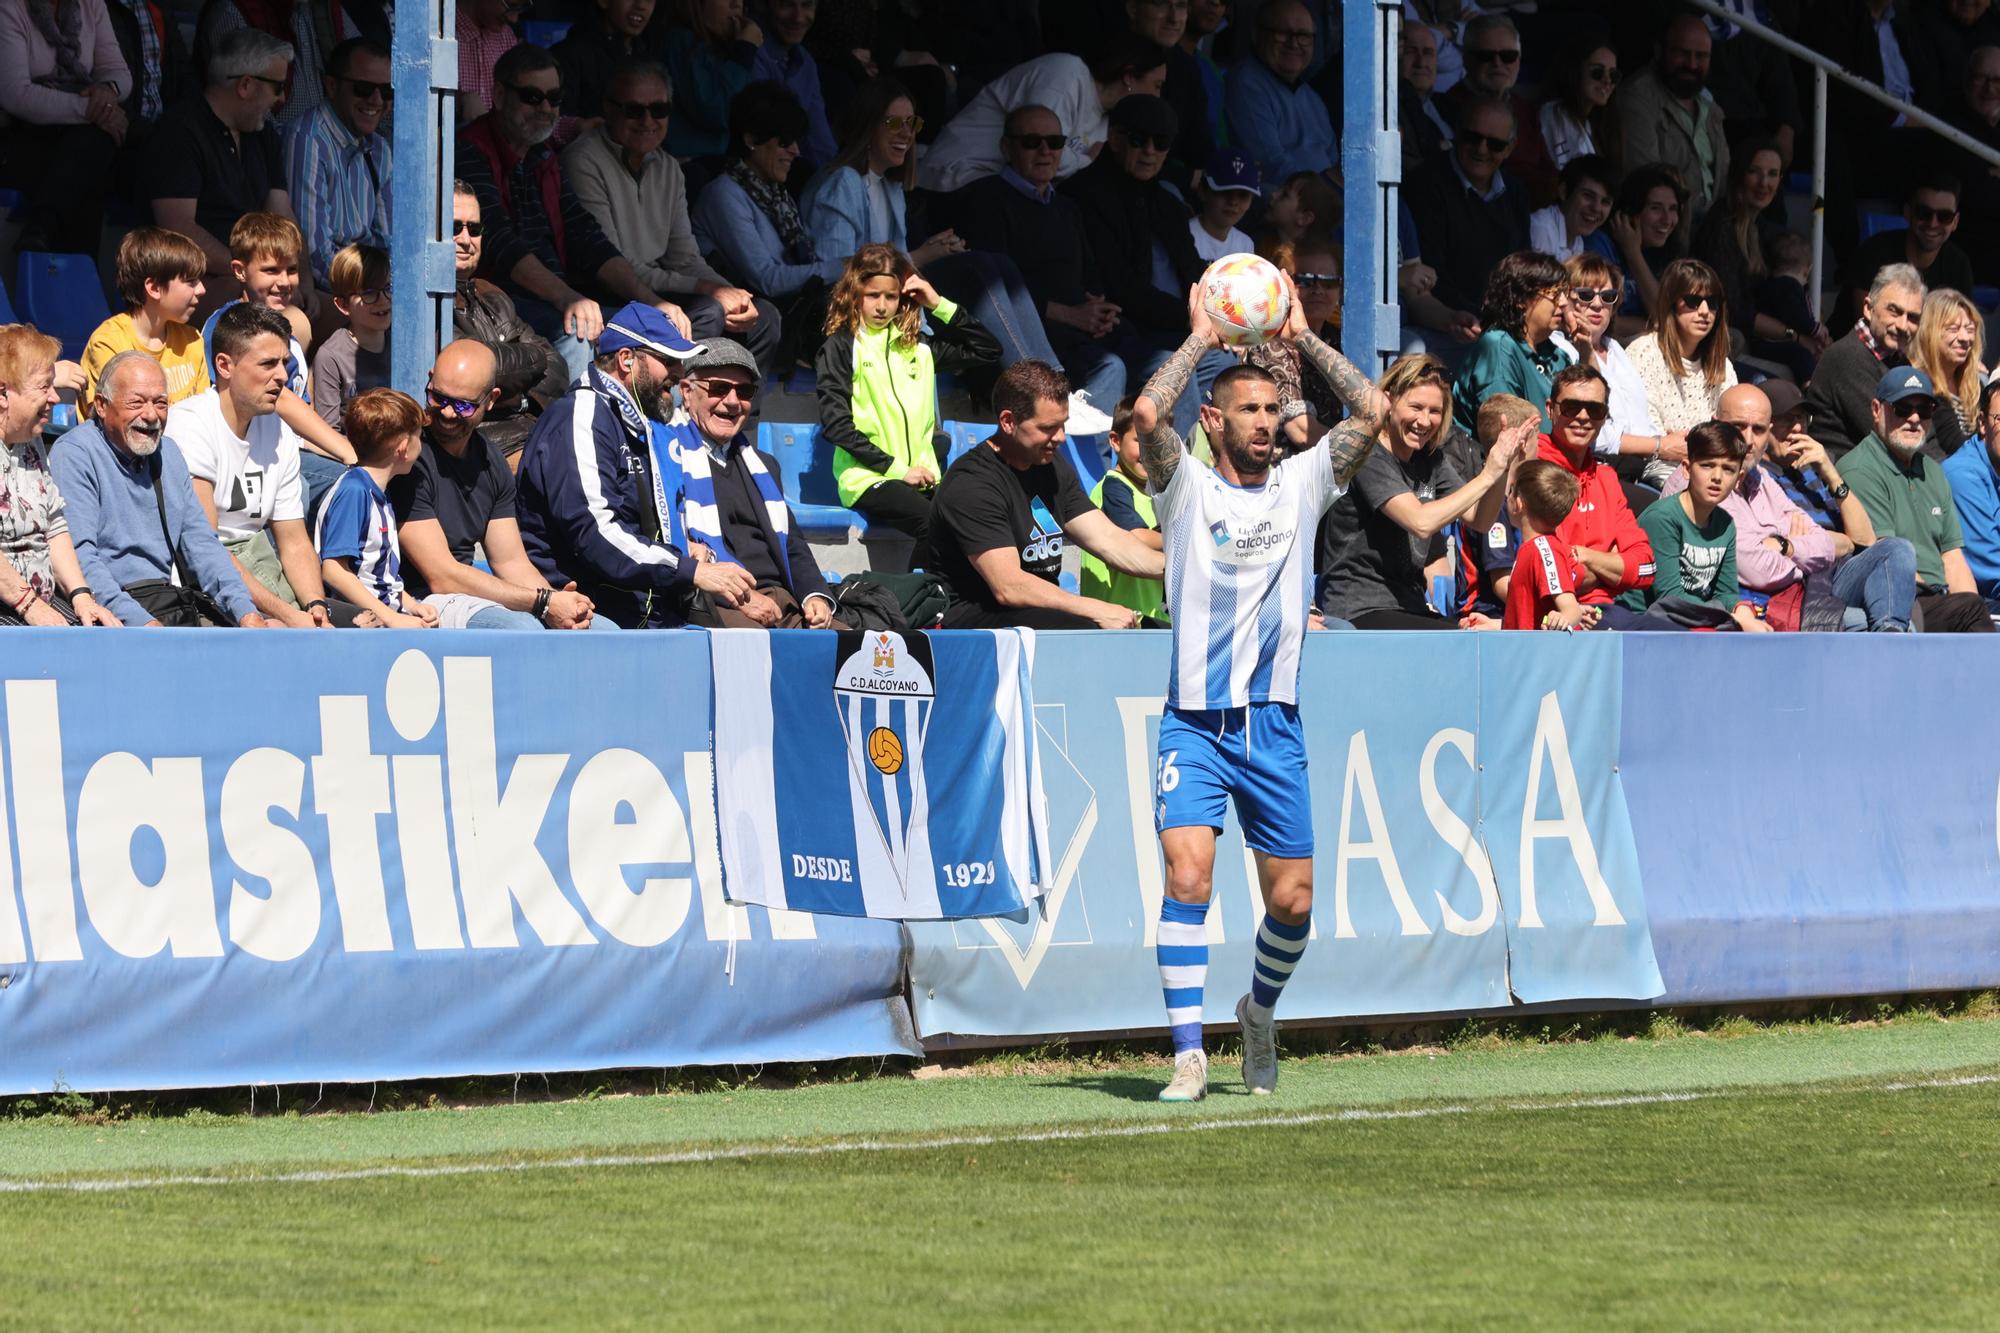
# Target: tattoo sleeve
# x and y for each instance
(1355, 389)
(1348, 446)
(1162, 447)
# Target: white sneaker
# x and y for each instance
(1190, 1080)
(1260, 1050)
(1085, 418)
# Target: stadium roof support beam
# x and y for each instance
(423, 67)
(1371, 162)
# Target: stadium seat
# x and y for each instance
(963, 435)
(61, 296)
(807, 478)
(1091, 457)
(7, 315)
(1986, 298)
(1874, 223)
(544, 32)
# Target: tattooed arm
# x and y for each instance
(1160, 445)
(1348, 446)
(1355, 389)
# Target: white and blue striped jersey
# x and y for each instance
(1239, 579)
(356, 523)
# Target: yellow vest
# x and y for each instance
(894, 404)
(1148, 597)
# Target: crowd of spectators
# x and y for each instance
(1614, 384)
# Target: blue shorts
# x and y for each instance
(1255, 756)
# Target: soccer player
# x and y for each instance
(1239, 548)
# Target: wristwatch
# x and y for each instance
(1842, 491)
(1784, 544)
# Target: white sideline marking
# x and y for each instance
(757, 1151)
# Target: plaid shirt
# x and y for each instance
(478, 52)
(152, 58)
(1867, 338)
(339, 187)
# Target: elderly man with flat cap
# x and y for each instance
(731, 502)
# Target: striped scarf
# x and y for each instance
(704, 518)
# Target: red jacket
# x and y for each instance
(1602, 521)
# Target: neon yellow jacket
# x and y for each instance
(1096, 579)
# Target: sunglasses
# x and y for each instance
(472, 229)
(1494, 57)
(721, 388)
(1584, 407)
(364, 89)
(534, 97)
(458, 407)
(279, 84)
(1293, 37)
(1053, 142)
(1607, 73)
(1920, 408)
(1696, 300)
(640, 110)
(1159, 143)
(1919, 213)
(1594, 295)
(1491, 144)
(1310, 281)
(914, 124)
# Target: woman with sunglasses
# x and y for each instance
(1683, 357)
(1526, 298)
(1580, 87)
(1385, 534)
(1308, 405)
(709, 52)
(1645, 227)
(1595, 285)
(1950, 347)
(1732, 241)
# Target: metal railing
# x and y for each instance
(1823, 70)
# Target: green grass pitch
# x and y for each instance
(1796, 1177)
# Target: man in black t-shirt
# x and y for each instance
(1003, 511)
(460, 495)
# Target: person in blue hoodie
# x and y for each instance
(1974, 474)
(591, 488)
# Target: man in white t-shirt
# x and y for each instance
(244, 463)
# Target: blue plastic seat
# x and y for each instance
(1986, 298)
(1090, 455)
(543, 32)
(61, 296)
(963, 436)
(7, 315)
(807, 478)
(1875, 223)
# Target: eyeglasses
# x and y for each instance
(1049, 141)
(1494, 57)
(472, 229)
(1316, 281)
(1606, 73)
(372, 295)
(1159, 143)
(1491, 144)
(914, 124)
(458, 407)
(1696, 300)
(365, 90)
(1594, 295)
(640, 110)
(1584, 407)
(279, 84)
(1919, 213)
(1918, 407)
(1553, 295)
(721, 388)
(534, 97)
(1297, 38)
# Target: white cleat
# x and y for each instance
(1260, 1050)
(1190, 1080)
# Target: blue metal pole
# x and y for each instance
(1371, 161)
(424, 69)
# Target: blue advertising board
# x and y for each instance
(1473, 848)
(234, 857)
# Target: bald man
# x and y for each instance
(1847, 580)
(460, 495)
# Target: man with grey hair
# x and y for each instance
(1841, 397)
(138, 529)
(217, 156)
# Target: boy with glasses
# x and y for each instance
(354, 359)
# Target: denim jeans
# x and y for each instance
(499, 617)
(1880, 581)
(1000, 300)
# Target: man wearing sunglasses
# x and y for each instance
(1469, 215)
(600, 480)
(1492, 49)
(542, 246)
(530, 373)
(1665, 114)
(732, 503)
(1273, 114)
(339, 161)
(1931, 213)
(1906, 495)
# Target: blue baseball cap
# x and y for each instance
(642, 326)
(1232, 171)
(1904, 382)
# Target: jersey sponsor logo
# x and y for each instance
(1046, 542)
(1263, 542)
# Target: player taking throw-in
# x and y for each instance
(1239, 543)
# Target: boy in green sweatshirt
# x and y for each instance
(1694, 539)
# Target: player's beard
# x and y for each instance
(1246, 455)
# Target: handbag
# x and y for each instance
(177, 603)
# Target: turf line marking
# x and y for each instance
(758, 1151)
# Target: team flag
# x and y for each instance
(879, 774)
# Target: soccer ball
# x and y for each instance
(1246, 299)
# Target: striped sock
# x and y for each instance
(1279, 948)
(1183, 955)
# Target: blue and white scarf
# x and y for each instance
(704, 519)
(668, 441)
